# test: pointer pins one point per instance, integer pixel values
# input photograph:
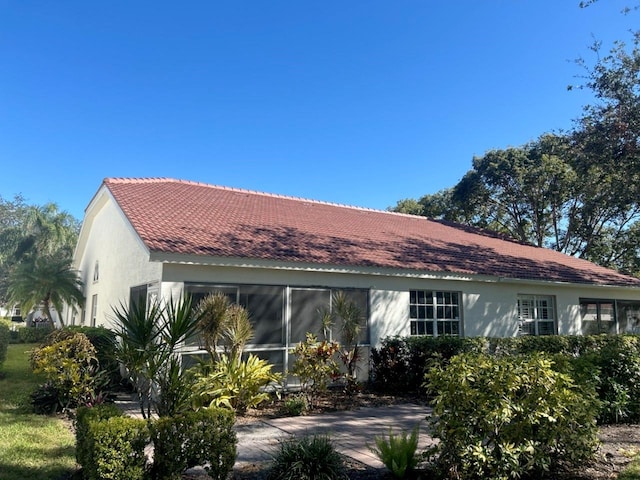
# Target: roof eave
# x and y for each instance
(245, 262)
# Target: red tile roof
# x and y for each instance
(182, 217)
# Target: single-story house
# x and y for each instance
(283, 258)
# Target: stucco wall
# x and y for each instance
(122, 261)
(489, 307)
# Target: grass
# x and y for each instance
(632, 472)
(31, 446)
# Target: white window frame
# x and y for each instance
(438, 313)
(535, 312)
(94, 309)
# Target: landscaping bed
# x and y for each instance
(619, 443)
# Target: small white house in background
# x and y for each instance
(282, 258)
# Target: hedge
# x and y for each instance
(205, 437)
(610, 362)
(5, 335)
(111, 446)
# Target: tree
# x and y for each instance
(46, 231)
(28, 232)
(12, 213)
(46, 281)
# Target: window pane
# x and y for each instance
(307, 307)
(360, 299)
(628, 315)
(545, 328)
(265, 306)
(429, 326)
(421, 297)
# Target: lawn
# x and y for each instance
(632, 472)
(31, 446)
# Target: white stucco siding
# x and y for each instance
(489, 306)
(122, 260)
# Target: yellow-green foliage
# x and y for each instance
(398, 452)
(69, 366)
(506, 417)
(236, 384)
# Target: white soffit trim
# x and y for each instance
(237, 262)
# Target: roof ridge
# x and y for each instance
(256, 192)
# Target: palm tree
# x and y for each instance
(45, 281)
(46, 230)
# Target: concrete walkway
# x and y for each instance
(351, 431)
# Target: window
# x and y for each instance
(598, 316)
(96, 273)
(137, 295)
(536, 315)
(265, 305)
(309, 305)
(94, 310)
(434, 313)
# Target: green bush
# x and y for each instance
(400, 363)
(70, 367)
(307, 458)
(315, 366)
(398, 452)
(505, 417)
(295, 405)
(236, 384)
(35, 334)
(205, 438)
(618, 381)
(84, 416)
(4, 342)
(104, 341)
(115, 447)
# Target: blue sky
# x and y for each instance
(355, 102)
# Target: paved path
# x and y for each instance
(351, 431)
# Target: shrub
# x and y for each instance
(70, 367)
(205, 437)
(398, 453)
(104, 341)
(400, 364)
(4, 342)
(315, 366)
(116, 449)
(85, 415)
(307, 458)
(504, 417)
(35, 334)
(236, 384)
(295, 405)
(618, 381)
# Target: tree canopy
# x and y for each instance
(577, 192)
(36, 245)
